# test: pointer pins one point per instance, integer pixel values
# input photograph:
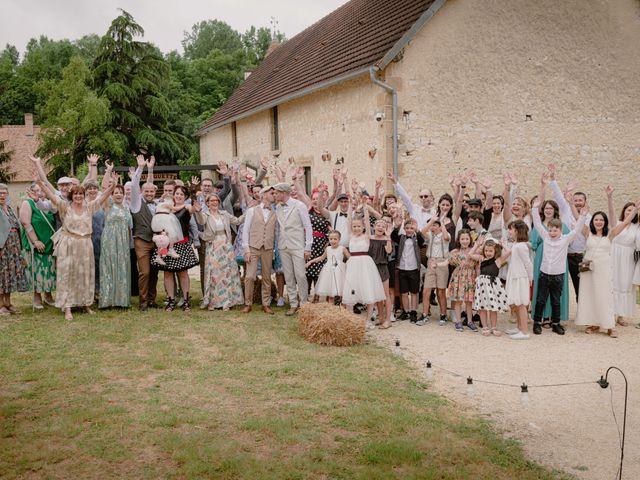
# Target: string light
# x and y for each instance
(429, 371)
(396, 348)
(524, 394)
(470, 388)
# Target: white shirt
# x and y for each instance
(340, 223)
(417, 212)
(579, 243)
(408, 260)
(248, 217)
(554, 255)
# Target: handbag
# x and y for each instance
(585, 266)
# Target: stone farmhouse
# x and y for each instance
(23, 141)
(440, 86)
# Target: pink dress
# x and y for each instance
(463, 279)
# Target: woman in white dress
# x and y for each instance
(595, 302)
(362, 283)
(624, 237)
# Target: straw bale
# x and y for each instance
(330, 325)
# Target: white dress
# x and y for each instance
(519, 275)
(595, 301)
(362, 282)
(623, 267)
(331, 279)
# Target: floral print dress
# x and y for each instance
(12, 273)
(463, 278)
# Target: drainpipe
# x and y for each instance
(394, 116)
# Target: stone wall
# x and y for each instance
(515, 84)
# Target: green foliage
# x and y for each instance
(76, 121)
(209, 35)
(5, 157)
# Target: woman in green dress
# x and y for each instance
(115, 266)
(549, 209)
(38, 227)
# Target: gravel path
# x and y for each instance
(570, 427)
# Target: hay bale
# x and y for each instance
(330, 325)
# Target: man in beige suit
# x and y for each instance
(294, 244)
(258, 236)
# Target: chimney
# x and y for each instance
(28, 124)
(274, 44)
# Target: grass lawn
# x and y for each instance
(220, 395)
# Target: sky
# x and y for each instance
(164, 21)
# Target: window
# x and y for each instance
(307, 179)
(234, 140)
(275, 134)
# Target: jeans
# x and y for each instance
(549, 285)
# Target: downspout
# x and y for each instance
(394, 115)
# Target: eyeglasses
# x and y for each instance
(425, 196)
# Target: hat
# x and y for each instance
(266, 189)
(343, 196)
(282, 187)
(62, 180)
(474, 201)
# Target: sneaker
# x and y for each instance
(403, 316)
(392, 318)
(537, 328)
(459, 327)
(413, 316)
(280, 302)
(557, 328)
(512, 331)
(519, 336)
(476, 318)
(443, 320)
(472, 326)
(371, 325)
(423, 320)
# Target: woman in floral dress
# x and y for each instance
(222, 288)
(12, 274)
(115, 266)
(38, 228)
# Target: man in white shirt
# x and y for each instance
(423, 212)
(339, 219)
(294, 244)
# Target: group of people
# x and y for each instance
(473, 253)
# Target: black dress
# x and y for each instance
(379, 254)
(184, 248)
(320, 227)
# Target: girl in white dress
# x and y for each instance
(331, 279)
(625, 235)
(595, 301)
(519, 277)
(362, 283)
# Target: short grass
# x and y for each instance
(220, 395)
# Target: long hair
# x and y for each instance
(605, 229)
(554, 205)
(627, 205)
(522, 230)
(464, 231)
(449, 199)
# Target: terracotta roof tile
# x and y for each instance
(23, 144)
(354, 36)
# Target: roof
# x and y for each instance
(345, 43)
(23, 141)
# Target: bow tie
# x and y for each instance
(342, 214)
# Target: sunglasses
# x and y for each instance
(425, 196)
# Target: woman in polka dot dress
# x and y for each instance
(321, 227)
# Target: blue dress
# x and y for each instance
(537, 244)
(115, 259)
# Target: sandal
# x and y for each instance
(385, 325)
(486, 332)
(186, 304)
(171, 305)
(495, 332)
(612, 333)
(622, 322)
(592, 329)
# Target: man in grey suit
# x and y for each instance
(294, 244)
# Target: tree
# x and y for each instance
(131, 75)
(5, 157)
(76, 122)
(209, 35)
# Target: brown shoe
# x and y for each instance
(291, 311)
(267, 309)
(246, 309)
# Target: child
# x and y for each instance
(490, 297)
(408, 264)
(519, 277)
(437, 239)
(331, 279)
(380, 247)
(463, 278)
(553, 267)
(475, 221)
(362, 282)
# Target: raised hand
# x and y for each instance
(151, 162)
(93, 159)
(536, 203)
(115, 178)
(474, 177)
(264, 163)
(514, 178)
(132, 172)
(571, 186)
(378, 183)
(35, 160)
(109, 165)
(223, 169)
(487, 183)
(609, 191)
(391, 178)
(140, 161)
(552, 171)
(544, 178)
(506, 178)
(195, 181)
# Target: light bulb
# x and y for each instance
(470, 389)
(396, 348)
(429, 371)
(524, 394)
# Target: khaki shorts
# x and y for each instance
(438, 277)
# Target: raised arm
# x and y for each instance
(537, 223)
(613, 221)
(566, 215)
(402, 193)
(92, 160)
(107, 175)
(367, 220)
(42, 176)
(508, 200)
(150, 164)
(625, 223)
(488, 194)
(458, 200)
